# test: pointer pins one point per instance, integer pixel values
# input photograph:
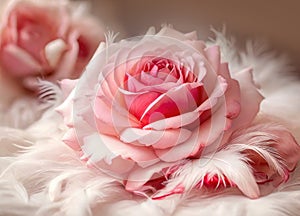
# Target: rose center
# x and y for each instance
(158, 88)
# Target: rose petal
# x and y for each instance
(111, 146)
(66, 109)
(190, 117)
(133, 84)
(111, 113)
(54, 50)
(174, 102)
(118, 168)
(232, 94)
(67, 86)
(67, 63)
(95, 147)
(110, 81)
(203, 136)
(250, 99)
(287, 147)
(157, 139)
(198, 45)
(150, 80)
(139, 176)
(167, 77)
(138, 104)
(191, 35)
(19, 62)
(70, 138)
(213, 56)
(170, 32)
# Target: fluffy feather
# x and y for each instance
(27, 109)
(226, 163)
(234, 165)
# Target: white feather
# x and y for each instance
(255, 139)
(226, 163)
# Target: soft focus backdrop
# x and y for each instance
(275, 21)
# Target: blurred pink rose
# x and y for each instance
(47, 39)
(146, 105)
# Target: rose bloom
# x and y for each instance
(47, 39)
(148, 105)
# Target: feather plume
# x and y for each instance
(49, 94)
(27, 109)
(227, 163)
(258, 140)
(235, 163)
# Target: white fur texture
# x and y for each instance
(40, 175)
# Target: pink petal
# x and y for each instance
(206, 134)
(111, 79)
(53, 51)
(232, 94)
(112, 114)
(67, 85)
(66, 110)
(139, 176)
(91, 34)
(36, 26)
(18, 62)
(143, 156)
(137, 104)
(250, 99)
(70, 138)
(95, 149)
(66, 67)
(219, 91)
(191, 35)
(287, 147)
(190, 117)
(133, 84)
(182, 99)
(174, 122)
(213, 56)
(104, 89)
(170, 32)
(156, 139)
(198, 45)
(161, 88)
(118, 168)
(168, 77)
(148, 79)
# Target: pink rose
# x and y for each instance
(47, 39)
(148, 105)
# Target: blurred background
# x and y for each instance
(275, 21)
